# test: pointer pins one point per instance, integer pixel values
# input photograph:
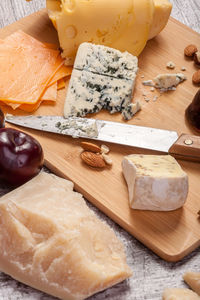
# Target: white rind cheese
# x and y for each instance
(155, 182)
(53, 242)
(179, 294)
(106, 61)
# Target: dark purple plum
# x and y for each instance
(21, 156)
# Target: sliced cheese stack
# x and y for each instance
(53, 242)
(31, 71)
(125, 25)
(155, 182)
(102, 78)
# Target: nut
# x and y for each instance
(196, 77)
(90, 147)
(107, 159)
(190, 50)
(93, 159)
(104, 149)
(197, 58)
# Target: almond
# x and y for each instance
(104, 149)
(190, 50)
(107, 159)
(90, 147)
(196, 77)
(92, 159)
(197, 58)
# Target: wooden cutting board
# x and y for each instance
(171, 235)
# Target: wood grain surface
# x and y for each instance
(107, 189)
(151, 274)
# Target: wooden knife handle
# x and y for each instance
(187, 147)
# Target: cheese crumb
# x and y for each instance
(170, 65)
(183, 69)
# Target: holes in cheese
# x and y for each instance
(123, 25)
(52, 241)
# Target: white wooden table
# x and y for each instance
(151, 274)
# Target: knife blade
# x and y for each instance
(185, 146)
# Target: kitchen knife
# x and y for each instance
(184, 147)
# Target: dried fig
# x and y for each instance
(192, 113)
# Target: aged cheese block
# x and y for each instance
(155, 182)
(123, 25)
(179, 294)
(52, 241)
(193, 280)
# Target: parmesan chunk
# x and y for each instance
(52, 241)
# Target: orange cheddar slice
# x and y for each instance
(50, 94)
(27, 67)
(64, 71)
(61, 84)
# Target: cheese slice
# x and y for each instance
(179, 294)
(155, 182)
(50, 94)
(193, 280)
(53, 242)
(27, 67)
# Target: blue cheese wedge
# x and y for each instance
(102, 78)
(106, 61)
(89, 93)
(155, 182)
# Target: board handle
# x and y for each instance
(187, 147)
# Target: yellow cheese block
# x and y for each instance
(52, 241)
(161, 15)
(123, 25)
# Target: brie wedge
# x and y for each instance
(155, 182)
